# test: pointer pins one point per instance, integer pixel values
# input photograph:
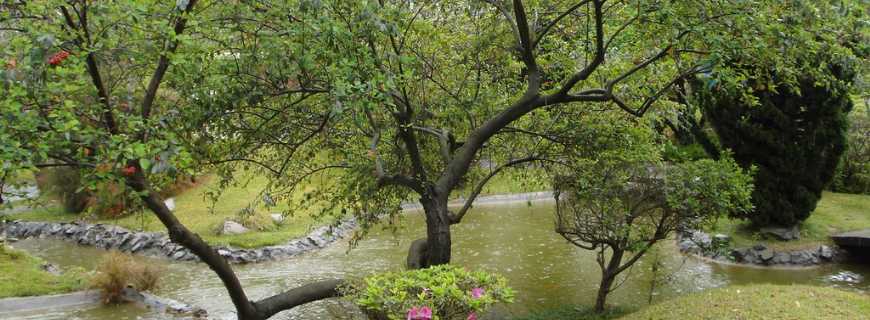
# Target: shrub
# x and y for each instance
(793, 133)
(118, 271)
(63, 183)
(853, 172)
(446, 292)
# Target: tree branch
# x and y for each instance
(311, 292)
(163, 62)
(457, 217)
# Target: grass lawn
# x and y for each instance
(573, 313)
(21, 275)
(192, 208)
(761, 302)
(836, 212)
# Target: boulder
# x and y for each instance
(766, 254)
(782, 233)
(702, 239)
(743, 255)
(232, 227)
(688, 246)
(825, 252)
(781, 258)
(277, 218)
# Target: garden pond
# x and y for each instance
(514, 240)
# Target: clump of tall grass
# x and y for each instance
(118, 271)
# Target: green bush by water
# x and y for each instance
(450, 292)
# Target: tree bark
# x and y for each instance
(438, 241)
(608, 275)
(417, 254)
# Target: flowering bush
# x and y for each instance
(442, 292)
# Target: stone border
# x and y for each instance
(158, 244)
(718, 248)
(496, 199)
(93, 297)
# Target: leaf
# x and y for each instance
(145, 163)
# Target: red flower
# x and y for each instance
(129, 171)
(57, 58)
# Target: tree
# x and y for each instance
(623, 201)
(795, 138)
(419, 93)
(82, 89)
(785, 114)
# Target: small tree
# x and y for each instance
(620, 209)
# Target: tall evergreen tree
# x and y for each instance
(793, 135)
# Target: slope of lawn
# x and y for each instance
(21, 275)
(773, 302)
(193, 208)
(835, 213)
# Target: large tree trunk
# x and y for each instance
(608, 275)
(438, 240)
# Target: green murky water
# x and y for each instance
(514, 240)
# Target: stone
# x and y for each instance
(782, 233)
(825, 252)
(277, 218)
(232, 227)
(741, 254)
(759, 247)
(50, 268)
(688, 246)
(781, 258)
(766, 254)
(702, 239)
(857, 241)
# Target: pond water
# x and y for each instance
(515, 240)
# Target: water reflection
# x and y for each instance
(514, 240)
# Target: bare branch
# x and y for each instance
(457, 217)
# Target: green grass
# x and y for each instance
(573, 313)
(836, 212)
(793, 302)
(21, 275)
(193, 209)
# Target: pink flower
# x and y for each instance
(423, 313)
(414, 313)
(477, 293)
(472, 316)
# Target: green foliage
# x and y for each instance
(63, 184)
(681, 153)
(853, 171)
(795, 138)
(789, 118)
(449, 291)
